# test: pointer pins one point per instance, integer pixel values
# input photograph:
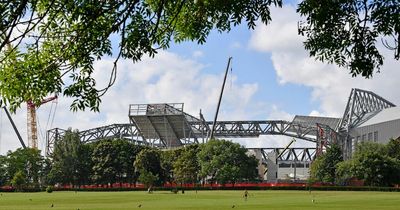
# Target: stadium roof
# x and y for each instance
(381, 116)
(311, 121)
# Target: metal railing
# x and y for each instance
(155, 109)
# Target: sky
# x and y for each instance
(272, 78)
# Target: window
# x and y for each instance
(285, 165)
(369, 136)
(376, 136)
(364, 136)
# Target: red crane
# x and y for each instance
(31, 122)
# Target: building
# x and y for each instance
(381, 126)
(367, 117)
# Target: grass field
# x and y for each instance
(201, 200)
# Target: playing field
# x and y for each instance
(201, 200)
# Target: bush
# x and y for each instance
(49, 189)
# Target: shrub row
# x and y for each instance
(319, 188)
(30, 189)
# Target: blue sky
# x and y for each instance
(248, 66)
(273, 78)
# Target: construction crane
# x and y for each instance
(9, 47)
(281, 153)
(13, 125)
(31, 118)
(284, 150)
(32, 123)
(219, 99)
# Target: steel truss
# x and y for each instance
(233, 129)
(291, 154)
(246, 129)
(361, 106)
(120, 131)
(167, 126)
(306, 155)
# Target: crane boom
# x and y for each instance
(284, 150)
(281, 153)
(14, 127)
(219, 99)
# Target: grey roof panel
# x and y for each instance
(312, 121)
(381, 116)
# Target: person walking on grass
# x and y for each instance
(245, 195)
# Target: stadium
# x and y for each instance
(366, 117)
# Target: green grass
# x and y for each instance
(202, 200)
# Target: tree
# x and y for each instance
(85, 164)
(3, 171)
(344, 172)
(66, 159)
(377, 169)
(113, 161)
(28, 161)
(148, 179)
(168, 159)
(127, 153)
(226, 162)
(63, 38)
(372, 164)
(18, 180)
(393, 148)
(346, 32)
(46, 168)
(323, 168)
(248, 170)
(105, 162)
(67, 36)
(186, 167)
(149, 161)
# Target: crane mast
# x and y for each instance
(32, 125)
(32, 122)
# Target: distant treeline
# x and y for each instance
(372, 163)
(120, 161)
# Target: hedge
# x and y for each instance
(314, 188)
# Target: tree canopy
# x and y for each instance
(323, 168)
(65, 159)
(186, 167)
(348, 32)
(148, 163)
(63, 38)
(372, 164)
(28, 162)
(120, 161)
(67, 36)
(226, 162)
(393, 148)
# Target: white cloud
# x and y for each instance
(197, 54)
(279, 35)
(168, 78)
(236, 45)
(330, 84)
